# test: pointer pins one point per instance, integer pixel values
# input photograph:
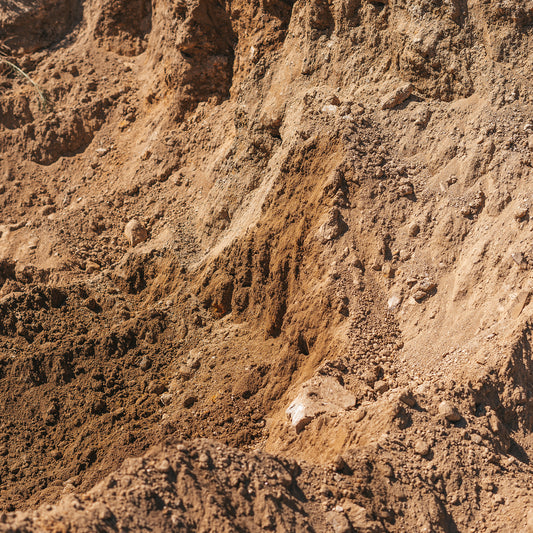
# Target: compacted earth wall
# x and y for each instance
(266, 265)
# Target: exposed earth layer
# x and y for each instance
(266, 265)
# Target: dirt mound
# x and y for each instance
(202, 486)
(205, 486)
(28, 25)
(298, 227)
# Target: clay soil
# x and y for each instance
(266, 265)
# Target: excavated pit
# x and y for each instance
(265, 265)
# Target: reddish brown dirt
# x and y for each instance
(324, 190)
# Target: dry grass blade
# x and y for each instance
(43, 100)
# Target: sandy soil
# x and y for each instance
(266, 265)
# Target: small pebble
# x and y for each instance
(448, 411)
(146, 363)
(135, 232)
(422, 447)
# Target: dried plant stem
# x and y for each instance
(42, 96)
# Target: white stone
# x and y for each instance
(394, 302)
(320, 395)
(330, 109)
(135, 232)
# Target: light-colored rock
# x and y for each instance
(156, 387)
(405, 255)
(394, 302)
(521, 212)
(519, 304)
(320, 395)
(406, 397)
(427, 285)
(414, 229)
(448, 411)
(422, 116)
(422, 447)
(91, 267)
(102, 151)
(185, 372)
(406, 189)
(475, 206)
(340, 464)
(396, 97)
(476, 439)
(358, 517)
(419, 296)
(301, 412)
(338, 522)
(495, 425)
(359, 414)
(166, 398)
(333, 227)
(330, 109)
(135, 232)
(388, 270)
(381, 386)
(377, 264)
(145, 364)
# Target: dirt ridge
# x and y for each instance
(228, 216)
